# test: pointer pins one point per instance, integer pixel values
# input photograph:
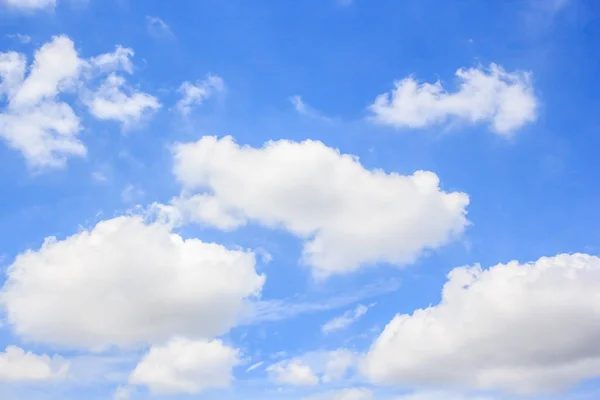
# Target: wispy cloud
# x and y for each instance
(20, 37)
(277, 310)
(157, 27)
(346, 319)
(255, 366)
(303, 108)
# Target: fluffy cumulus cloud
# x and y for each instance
(29, 4)
(186, 366)
(345, 320)
(114, 100)
(348, 215)
(126, 282)
(314, 367)
(44, 128)
(504, 100)
(516, 327)
(194, 94)
(33, 121)
(17, 365)
(293, 373)
(344, 394)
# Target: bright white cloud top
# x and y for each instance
(522, 328)
(126, 283)
(348, 215)
(504, 100)
(186, 366)
(18, 365)
(44, 128)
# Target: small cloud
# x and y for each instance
(346, 319)
(20, 37)
(194, 94)
(99, 176)
(303, 108)
(131, 194)
(255, 366)
(158, 28)
(123, 393)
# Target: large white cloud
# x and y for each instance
(186, 366)
(348, 215)
(505, 100)
(126, 282)
(17, 365)
(44, 128)
(520, 328)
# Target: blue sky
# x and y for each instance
(316, 200)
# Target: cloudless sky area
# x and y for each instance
(300, 199)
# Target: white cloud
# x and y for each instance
(504, 100)
(158, 27)
(293, 373)
(345, 320)
(113, 100)
(194, 94)
(120, 59)
(299, 105)
(17, 365)
(29, 4)
(40, 126)
(20, 37)
(43, 129)
(439, 395)
(131, 194)
(186, 366)
(313, 367)
(304, 109)
(276, 310)
(337, 364)
(349, 216)
(126, 282)
(255, 366)
(122, 393)
(344, 394)
(520, 328)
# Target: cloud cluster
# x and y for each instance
(313, 368)
(504, 100)
(44, 128)
(348, 216)
(522, 328)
